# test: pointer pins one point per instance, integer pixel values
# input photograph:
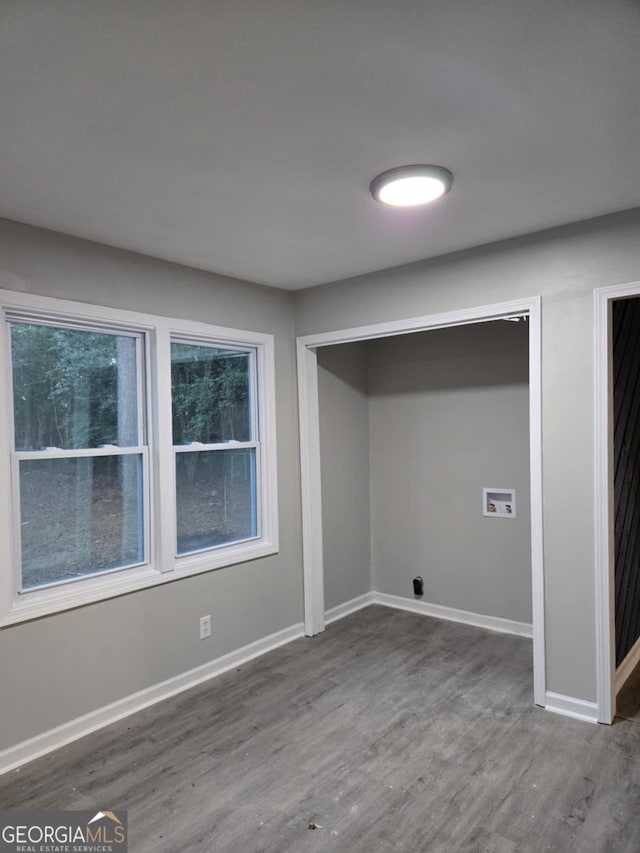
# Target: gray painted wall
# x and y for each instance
(563, 265)
(49, 671)
(449, 414)
(344, 448)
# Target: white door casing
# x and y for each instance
(311, 462)
(603, 298)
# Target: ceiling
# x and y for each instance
(240, 136)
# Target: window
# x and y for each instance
(80, 458)
(214, 437)
(137, 450)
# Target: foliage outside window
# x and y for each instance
(137, 449)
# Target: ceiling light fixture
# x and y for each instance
(410, 186)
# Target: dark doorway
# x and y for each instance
(626, 448)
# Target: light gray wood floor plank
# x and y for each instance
(389, 732)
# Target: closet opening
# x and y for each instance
(421, 459)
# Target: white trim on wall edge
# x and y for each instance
(568, 706)
(627, 666)
(310, 477)
(35, 747)
(451, 614)
(348, 607)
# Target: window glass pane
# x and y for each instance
(79, 516)
(211, 399)
(73, 389)
(216, 498)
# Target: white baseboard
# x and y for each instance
(568, 706)
(17, 755)
(627, 666)
(493, 623)
(348, 607)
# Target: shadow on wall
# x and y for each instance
(498, 351)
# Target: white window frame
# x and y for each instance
(162, 564)
(141, 449)
(192, 557)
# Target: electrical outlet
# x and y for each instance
(205, 627)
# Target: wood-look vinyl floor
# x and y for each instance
(389, 732)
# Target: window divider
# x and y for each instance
(81, 453)
(196, 446)
(163, 467)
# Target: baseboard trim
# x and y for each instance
(28, 750)
(493, 623)
(568, 706)
(348, 607)
(627, 666)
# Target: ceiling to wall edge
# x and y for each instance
(611, 219)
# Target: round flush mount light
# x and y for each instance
(410, 186)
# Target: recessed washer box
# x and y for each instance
(499, 503)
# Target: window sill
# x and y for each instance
(35, 605)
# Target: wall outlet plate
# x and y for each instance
(499, 503)
(205, 627)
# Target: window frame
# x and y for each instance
(141, 449)
(163, 564)
(227, 446)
